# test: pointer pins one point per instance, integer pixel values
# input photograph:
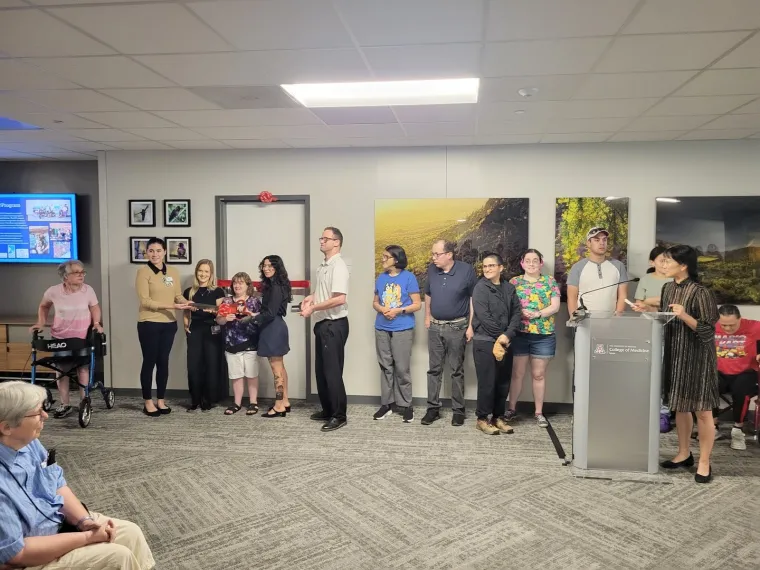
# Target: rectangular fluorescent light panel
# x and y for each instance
(7, 124)
(385, 93)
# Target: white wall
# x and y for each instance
(343, 185)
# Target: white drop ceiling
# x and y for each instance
(145, 75)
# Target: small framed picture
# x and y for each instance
(142, 213)
(178, 250)
(177, 213)
(138, 249)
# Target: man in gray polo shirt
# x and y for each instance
(448, 318)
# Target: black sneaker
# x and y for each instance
(430, 416)
(320, 416)
(62, 411)
(457, 419)
(408, 415)
(383, 412)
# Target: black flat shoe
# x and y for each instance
(703, 478)
(192, 408)
(272, 413)
(287, 409)
(164, 411)
(319, 416)
(153, 414)
(669, 464)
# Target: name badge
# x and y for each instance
(216, 329)
(168, 281)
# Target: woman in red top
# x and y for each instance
(736, 343)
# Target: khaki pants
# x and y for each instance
(129, 551)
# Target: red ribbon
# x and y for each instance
(267, 197)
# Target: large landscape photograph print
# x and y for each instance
(725, 231)
(477, 226)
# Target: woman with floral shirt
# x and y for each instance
(536, 341)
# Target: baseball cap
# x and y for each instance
(593, 232)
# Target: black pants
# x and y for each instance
(203, 367)
(156, 341)
(742, 388)
(494, 378)
(330, 341)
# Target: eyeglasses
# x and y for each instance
(435, 255)
(37, 415)
(533, 262)
(324, 239)
(386, 257)
(82, 273)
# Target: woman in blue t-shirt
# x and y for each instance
(397, 297)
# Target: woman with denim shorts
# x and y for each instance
(536, 341)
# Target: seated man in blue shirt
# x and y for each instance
(42, 523)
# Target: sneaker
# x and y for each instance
(542, 421)
(502, 425)
(510, 415)
(383, 412)
(62, 411)
(737, 439)
(665, 423)
(457, 419)
(408, 415)
(430, 416)
(487, 428)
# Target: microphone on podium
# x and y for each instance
(580, 299)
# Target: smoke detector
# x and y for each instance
(527, 92)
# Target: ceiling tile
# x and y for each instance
(659, 16)
(400, 22)
(103, 135)
(145, 28)
(34, 147)
(643, 136)
(550, 88)
(11, 105)
(271, 143)
(58, 121)
(69, 156)
(606, 125)
(424, 61)
(260, 68)
(707, 134)
(198, 145)
(41, 135)
(631, 85)
(262, 25)
(16, 75)
(724, 82)
(698, 105)
(507, 139)
(735, 122)
(511, 127)
(576, 138)
(86, 146)
(102, 72)
(753, 107)
(553, 57)
(13, 155)
(666, 52)
(75, 100)
(435, 113)
(167, 134)
(604, 108)
(746, 55)
(127, 120)
(241, 117)
(439, 129)
(140, 145)
(543, 19)
(265, 132)
(168, 99)
(13, 4)
(355, 115)
(518, 112)
(317, 143)
(247, 97)
(33, 33)
(386, 130)
(654, 124)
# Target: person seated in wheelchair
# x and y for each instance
(76, 309)
(43, 525)
(736, 340)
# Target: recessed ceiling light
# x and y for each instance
(670, 200)
(527, 91)
(520, 112)
(384, 93)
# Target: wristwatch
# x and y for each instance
(80, 521)
(403, 311)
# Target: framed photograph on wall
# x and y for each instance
(138, 249)
(177, 213)
(142, 213)
(178, 250)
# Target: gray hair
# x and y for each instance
(19, 399)
(63, 268)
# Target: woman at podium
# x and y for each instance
(690, 363)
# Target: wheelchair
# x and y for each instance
(68, 355)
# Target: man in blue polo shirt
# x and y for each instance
(448, 318)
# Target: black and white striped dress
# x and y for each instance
(690, 364)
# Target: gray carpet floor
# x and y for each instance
(214, 492)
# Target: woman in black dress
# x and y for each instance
(273, 336)
(690, 363)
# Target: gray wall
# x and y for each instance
(26, 283)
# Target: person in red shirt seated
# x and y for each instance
(736, 342)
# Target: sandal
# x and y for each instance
(233, 409)
(252, 410)
(272, 413)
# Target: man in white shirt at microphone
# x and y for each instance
(597, 272)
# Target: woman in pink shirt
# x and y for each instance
(76, 307)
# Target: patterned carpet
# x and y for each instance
(214, 492)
